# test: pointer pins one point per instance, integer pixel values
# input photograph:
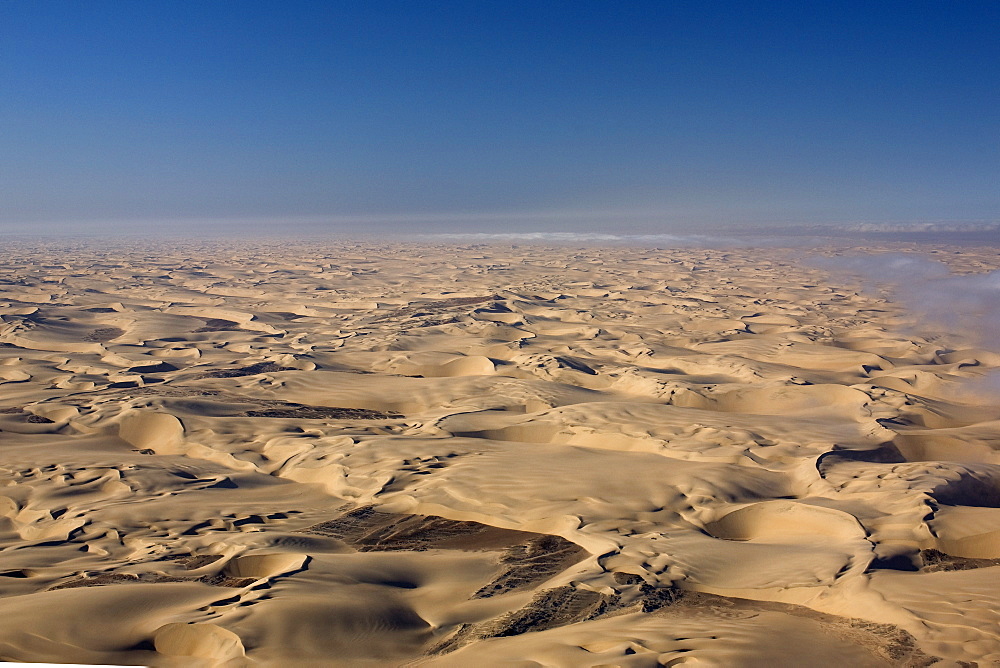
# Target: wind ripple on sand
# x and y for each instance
(389, 454)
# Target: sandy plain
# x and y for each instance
(403, 454)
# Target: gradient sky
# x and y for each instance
(653, 116)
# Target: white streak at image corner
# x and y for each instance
(65, 665)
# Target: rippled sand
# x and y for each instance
(350, 454)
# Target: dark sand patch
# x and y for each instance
(461, 301)
(280, 409)
(370, 530)
(216, 580)
(171, 391)
(559, 606)
(233, 405)
(529, 563)
(575, 365)
(935, 560)
(98, 580)
(527, 558)
(223, 580)
(37, 419)
(160, 367)
(23, 415)
(190, 562)
(219, 325)
(549, 609)
(438, 306)
(193, 562)
(562, 606)
(252, 370)
(103, 334)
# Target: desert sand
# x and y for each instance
(459, 455)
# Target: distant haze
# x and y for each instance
(641, 118)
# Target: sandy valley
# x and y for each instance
(418, 454)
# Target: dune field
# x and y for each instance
(310, 454)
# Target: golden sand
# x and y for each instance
(363, 454)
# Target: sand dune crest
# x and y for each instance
(401, 454)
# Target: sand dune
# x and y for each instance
(361, 454)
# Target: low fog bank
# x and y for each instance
(964, 304)
(968, 304)
(929, 288)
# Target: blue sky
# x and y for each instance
(652, 116)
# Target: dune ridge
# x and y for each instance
(445, 454)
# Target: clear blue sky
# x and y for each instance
(560, 115)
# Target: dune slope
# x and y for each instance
(400, 454)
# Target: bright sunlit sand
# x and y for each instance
(560, 334)
(457, 455)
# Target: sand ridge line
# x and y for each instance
(236, 405)
(646, 423)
